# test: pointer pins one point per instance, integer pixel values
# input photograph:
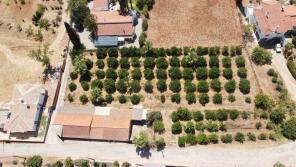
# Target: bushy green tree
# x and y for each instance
(203, 86)
(226, 62)
(161, 85)
(239, 137)
(189, 128)
(202, 139)
(198, 116)
(34, 161)
(230, 86)
(175, 73)
(261, 56)
(161, 74)
(214, 72)
(175, 86)
(204, 99)
(217, 98)
(263, 101)
(191, 98)
(148, 87)
(216, 85)
(202, 73)
(289, 129)
(158, 126)
(176, 128)
(189, 87)
(135, 99)
(242, 72)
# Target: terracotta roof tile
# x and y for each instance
(75, 131)
(73, 119)
(100, 5)
(105, 17)
(119, 29)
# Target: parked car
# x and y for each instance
(278, 48)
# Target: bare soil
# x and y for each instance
(192, 23)
(16, 67)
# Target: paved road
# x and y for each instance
(279, 62)
(192, 156)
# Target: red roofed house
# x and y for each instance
(273, 20)
(113, 28)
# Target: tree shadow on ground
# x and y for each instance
(144, 152)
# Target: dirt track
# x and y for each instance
(192, 23)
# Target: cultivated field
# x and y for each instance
(18, 37)
(191, 23)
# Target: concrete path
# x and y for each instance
(280, 64)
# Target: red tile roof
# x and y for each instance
(100, 5)
(272, 16)
(119, 29)
(105, 17)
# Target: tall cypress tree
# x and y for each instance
(74, 37)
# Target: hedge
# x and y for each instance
(292, 67)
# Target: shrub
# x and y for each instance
(272, 137)
(271, 72)
(188, 74)
(175, 73)
(244, 86)
(202, 73)
(198, 116)
(89, 64)
(216, 85)
(262, 101)
(263, 115)
(238, 50)
(135, 86)
(70, 98)
(158, 126)
(181, 141)
(277, 116)
(161, 62)
(148, 74)
(203, 86)
(242, 72)
(204, 99)
(73, 75)
(214, 61)
(109, 86)
(245, 115)
(176, 128)
(191, 139)
(136, 74)
(109, 99)
(112, 62)
(222, 127)
(34, 161)
(121, 86)
(148, 87)
(191, 98)
(97, 84)
(100, 64)
(189, 87)
(227, 138)
(175, 62)
(135, 99)
(225, 51)
(226, 62)
(72, 86)
(217, 98)
(214, 72)
(162, 98)
(175, 86)
(240, 61)
(202, 139)
(201, 51)
(85, 86)
(101, 53)
(292, 67)
(153, 116)
(227, 73)
(233, 114)
(189, 128)
(261, 56)
(248, 100)
(251, 136)
(239, 137)
(100, 74)
(210, 115)
(213, 138)
(149, 63)
(262, 136)
(161, 74)
(83, 99)
(222, 115)
(122, 99)
(145, 24)
(160, 143)
(123, 74)
(176, 98)
(258, 125)
(142, 39)
(201, 62)
(124, 63)
(232, 51)
(212, 127)
(161, 85)
(231, 98)
(183, 114)
(270, 126)
(135, 62)
(113, 52)
(230, 86)
(289, 129)
(200, 126)
(111, 74)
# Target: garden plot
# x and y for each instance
(192, 23)
(197, 77)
